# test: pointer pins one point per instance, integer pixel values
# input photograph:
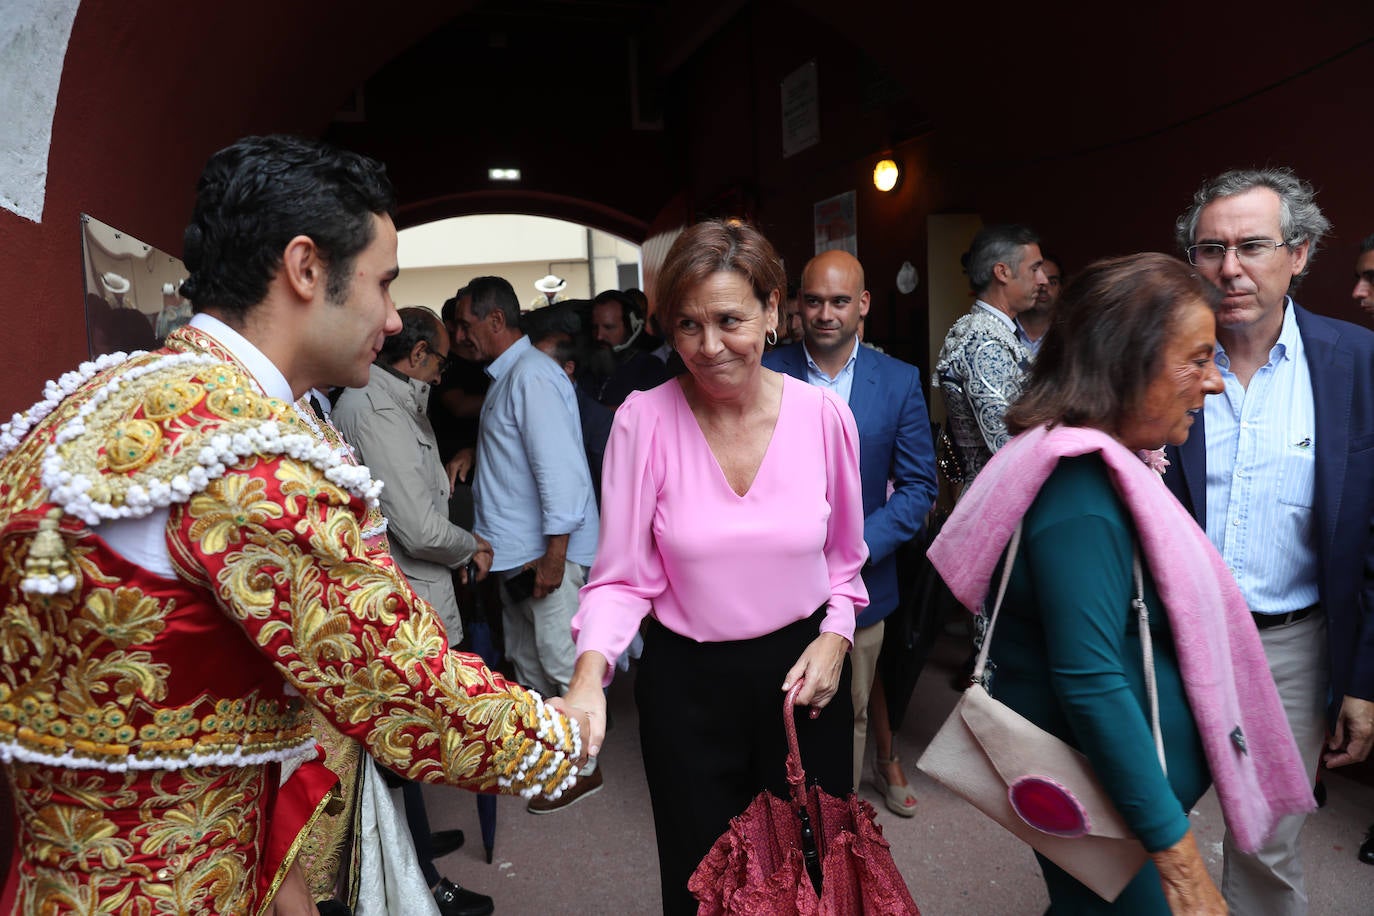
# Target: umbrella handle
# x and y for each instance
(796, 776)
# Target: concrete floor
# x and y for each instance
(598, 857)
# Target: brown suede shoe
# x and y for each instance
(585, 785)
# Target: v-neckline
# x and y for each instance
(706, 443)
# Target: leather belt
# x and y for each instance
(1265, 621)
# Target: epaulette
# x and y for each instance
(157, 429)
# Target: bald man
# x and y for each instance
(895, 445)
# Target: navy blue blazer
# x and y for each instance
(1340, 358)
(894, 442)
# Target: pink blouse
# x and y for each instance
(678, 543)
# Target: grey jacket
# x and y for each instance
(385, 423)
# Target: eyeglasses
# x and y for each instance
(1212, 254)
(445, 360)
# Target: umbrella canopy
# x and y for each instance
(765, 864)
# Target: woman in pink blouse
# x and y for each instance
(732, 530)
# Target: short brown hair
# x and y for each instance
(1105, 341)
(710, 247)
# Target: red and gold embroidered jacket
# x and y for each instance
(142, 719)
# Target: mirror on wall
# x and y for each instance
(132, 290)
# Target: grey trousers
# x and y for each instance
(1270, 882)
(539, 639)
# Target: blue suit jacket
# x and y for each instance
(894, 442)
(1340, 358)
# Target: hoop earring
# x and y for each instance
(771, 338)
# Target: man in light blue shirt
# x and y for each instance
(532, 495)
(1277, 468)
(534, 502)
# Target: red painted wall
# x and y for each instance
(145, 97)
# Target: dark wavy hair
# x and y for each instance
(711, 247)
(261, 192)
(1106, 340)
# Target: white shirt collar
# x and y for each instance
(993, 310)
(263, 370)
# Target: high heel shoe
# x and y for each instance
(900, 800)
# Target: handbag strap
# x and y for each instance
(1142, 615)
(1147, 656)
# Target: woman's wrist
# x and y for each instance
(588, 672)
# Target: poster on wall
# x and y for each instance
(836, 227)
(801, 110)
(133, 298)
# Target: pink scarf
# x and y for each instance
(1219, 653)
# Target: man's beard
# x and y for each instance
(602, 362)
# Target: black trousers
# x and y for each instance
(711, 732)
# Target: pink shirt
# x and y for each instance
(678, 543)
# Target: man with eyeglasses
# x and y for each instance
(386, 423)
(1277, 471)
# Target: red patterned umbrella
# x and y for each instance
(815, 855)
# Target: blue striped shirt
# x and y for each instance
(1261, 476)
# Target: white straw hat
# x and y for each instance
(551, 284)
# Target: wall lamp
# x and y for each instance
(503, 174)
(886, 175)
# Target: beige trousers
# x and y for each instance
(1270, 882)
(863, 660)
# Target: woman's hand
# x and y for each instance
(585, 702)
(1187, 886)
(820, 665)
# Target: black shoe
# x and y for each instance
(454, 900)
(1319, 794)
(443, 842)
(1367, 850)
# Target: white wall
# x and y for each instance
(438, 258)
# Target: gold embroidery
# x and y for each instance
(237, 403)
(131, 445)
(172, 399)
(134, 844)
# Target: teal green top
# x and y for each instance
(1067, 652)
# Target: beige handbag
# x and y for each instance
(1031, 782)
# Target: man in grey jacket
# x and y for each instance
(386, 424)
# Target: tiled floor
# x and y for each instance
(598, 857)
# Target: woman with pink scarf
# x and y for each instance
(1122, 371)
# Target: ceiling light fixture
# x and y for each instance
(503, 174)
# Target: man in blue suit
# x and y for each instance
(1277, 469)
(894, 445)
